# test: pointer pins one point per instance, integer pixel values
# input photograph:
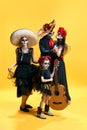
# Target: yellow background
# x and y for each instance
(72, 14)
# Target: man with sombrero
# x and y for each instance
(46, 43)
(24, 39)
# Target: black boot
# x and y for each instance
(39, 113)
(24, 109)
(47, 112)
(28, 106)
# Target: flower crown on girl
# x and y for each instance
(42, 58)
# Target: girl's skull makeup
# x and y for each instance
(46, 64)
(24, 40)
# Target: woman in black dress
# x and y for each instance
(60, 49)
(25, 71)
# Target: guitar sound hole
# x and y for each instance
(56, 93)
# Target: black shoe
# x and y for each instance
(24, 109)
(28, 106)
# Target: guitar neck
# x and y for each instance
(56, 78)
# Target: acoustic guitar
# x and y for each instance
(58, 100)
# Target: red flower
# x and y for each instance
(46, 27)
(42, 58)
(62, 31)
(51, 43)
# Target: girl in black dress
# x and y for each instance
(24, 72)
(60, 48)
(46, 79)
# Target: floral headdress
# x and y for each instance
(42, 58)
(62, 31)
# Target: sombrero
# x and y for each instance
(18, 34)
(47, 28)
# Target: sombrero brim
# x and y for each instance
(18, 34)
(43, 33)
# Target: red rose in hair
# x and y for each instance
(62, 31)
(42, 58)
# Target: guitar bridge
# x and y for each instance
(57, 102)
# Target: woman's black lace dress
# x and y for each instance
(24, 72)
